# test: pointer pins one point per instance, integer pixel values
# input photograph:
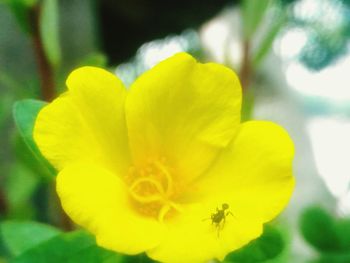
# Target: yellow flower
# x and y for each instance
(143, 169)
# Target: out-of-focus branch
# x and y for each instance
(56, 214)
(45, 70)
(3, 203)
(246, 67)
(47, 81)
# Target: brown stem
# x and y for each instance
(45, 70)
(246, 69)
(3, 203)
(56, 214)
(46, 74)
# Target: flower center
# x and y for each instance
(152, 189)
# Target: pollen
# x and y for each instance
(151, 189)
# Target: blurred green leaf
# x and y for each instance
(74, 247)
(49, 31)
(334, 258)
(24, 157)
(140, 258)
(25, 113)
(330, 236)
(343, 233)
(268, 246)
(5, 102)
(318, 228)
(19, 188)
(248, 104)
(252, 13)
(95, 59)
(19, 236)
(21, 9)
(28, 3)
(268, 39)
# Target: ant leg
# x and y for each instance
(230, 213)
(218, 229)
(220, 226)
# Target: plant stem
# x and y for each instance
(45, 70)
(3, 203)
(47, 81)
(246, 67)
(56, 214)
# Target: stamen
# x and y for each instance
(166, 208)
(160, 166)
(163, 211)
(148, 198)
(147, 180)
(176, 207)
(152, 188)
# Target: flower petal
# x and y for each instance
(184, 111)
(192, 238)
(253, 176)
(97, 200)
(85, 123)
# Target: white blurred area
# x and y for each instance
(151, 53)
(220, 38)
(329, 131)
(330, 141)
(287, 87)
(330, 83)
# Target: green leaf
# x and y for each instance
(25, 113)
(268, 39)
(334, 258)
(20, 9)
(95, 59)
(74, 247)
(140, 258)
(49, 31)
(319, 229)
(19, 188)
(19, 237)
(268, 246)
(343, 234)
(248, 104)
(252, 13)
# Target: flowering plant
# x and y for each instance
(143, 169)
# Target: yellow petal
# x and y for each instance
(85, 123)
(192, 238)
(97, 200)
(184, 111)
(253, 176)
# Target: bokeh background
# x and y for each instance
(294, 63)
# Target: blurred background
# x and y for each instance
(293, 61)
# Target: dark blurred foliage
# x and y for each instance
(287, 2)
(328, 34)
(126, 25)
(328, 235)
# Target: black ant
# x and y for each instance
(220, 216)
